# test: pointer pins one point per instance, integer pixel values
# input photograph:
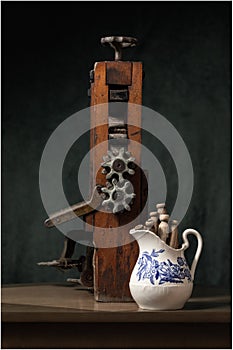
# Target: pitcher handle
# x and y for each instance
(199, 247)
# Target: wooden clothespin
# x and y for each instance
(163, 229)
(174, 241)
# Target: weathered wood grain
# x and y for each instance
(119, 73)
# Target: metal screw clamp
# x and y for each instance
(118, 43)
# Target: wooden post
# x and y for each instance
(113, 266)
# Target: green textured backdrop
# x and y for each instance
(47, 55)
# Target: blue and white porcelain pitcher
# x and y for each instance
(161, 278)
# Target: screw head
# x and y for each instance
(118, 165)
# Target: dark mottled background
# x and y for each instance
(47, 52)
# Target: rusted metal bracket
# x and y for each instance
(84, 264)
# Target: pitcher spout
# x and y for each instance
(145, 237)
(137, 234)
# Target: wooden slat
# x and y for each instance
(101, 256)
(130, 251)
(134, 128)
(99, 94)
(134, 110)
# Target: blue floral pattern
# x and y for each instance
(165, 271)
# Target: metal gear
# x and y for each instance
(120, 194)
(116, 163)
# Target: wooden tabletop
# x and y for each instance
(70, 303)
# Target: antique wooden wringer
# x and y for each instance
(115, 165)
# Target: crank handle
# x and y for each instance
(75, 210)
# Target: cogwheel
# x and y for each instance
(117, 163)
(120, 194)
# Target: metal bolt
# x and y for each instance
(118, 165)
